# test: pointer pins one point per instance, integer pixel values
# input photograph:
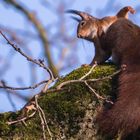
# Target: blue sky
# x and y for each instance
(19, 68)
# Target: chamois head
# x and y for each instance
(87, 27)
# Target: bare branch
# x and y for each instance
(22, 88)
(96, 94)
(41, 30)
(11, 101)
(17, 94)
(22, 119)
(83, 77)
(37, 62)
(43, 119)
(89, 80)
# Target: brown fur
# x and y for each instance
(123, 39)
(93, 29)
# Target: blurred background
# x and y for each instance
(43, 30)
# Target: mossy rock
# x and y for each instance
(70, 113)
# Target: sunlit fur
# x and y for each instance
(94, 29)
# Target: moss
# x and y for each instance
(64, 110)
(98, 72)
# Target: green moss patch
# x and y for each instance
(64, 110)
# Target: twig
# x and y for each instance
(37, 62)
(17, 94)
(43, 119)
(55, 90)
(83, 77)
(48, 82)
(44, 90)
(22, 119)
(106, 77)
(22, 88)
(40, 29)
(11, 101)
(9, 97)
(89, 80)
(46, 86)
(96, 94)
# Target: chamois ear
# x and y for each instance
(83, 15)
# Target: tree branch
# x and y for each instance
(22, 88)
(37, 62)
(41, 30)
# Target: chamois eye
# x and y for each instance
(83, 23)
